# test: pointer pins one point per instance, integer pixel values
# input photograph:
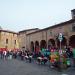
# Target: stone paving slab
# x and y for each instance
(18, 67)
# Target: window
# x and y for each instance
(73, 27)
(15, 41)
(50, 32)
(6, 41)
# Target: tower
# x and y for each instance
(73, 13)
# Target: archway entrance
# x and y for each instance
(36, 46)
(43, 44)
(51, 43)
(32, 46)
(63, 42)
(72, 41)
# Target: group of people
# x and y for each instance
(29, 56)
(56, 57)
(63, 58)
(8, 54)
(25, 55)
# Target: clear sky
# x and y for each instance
(17, 15)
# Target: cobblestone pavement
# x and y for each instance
(18, 67)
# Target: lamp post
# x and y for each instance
(60, 39)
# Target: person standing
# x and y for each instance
(1, 54)
(4, 54)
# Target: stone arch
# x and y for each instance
(36, 46)
(43, 44)
(51, 43)
(63, 42)
(72, 41)
(32, 46)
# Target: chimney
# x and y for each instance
(73, 13)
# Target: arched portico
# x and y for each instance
(37, 46)
(32, 46)
(43, 44)
(72, 41)
(51, 43)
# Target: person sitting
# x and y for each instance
(39, 59)
(45, 60)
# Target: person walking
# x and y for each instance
(4, 54)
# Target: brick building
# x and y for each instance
(48, 37)
(8, 40)
(36, 39)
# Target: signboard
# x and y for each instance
(60, 37)
(60, 52)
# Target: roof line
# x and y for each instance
(9, 31)
(28, 30)
(56, 25)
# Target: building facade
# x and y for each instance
(36, 39)
(48, 37)
(23, 37)
(8, 40)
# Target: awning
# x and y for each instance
(3, 49)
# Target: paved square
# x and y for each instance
(18, 67)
